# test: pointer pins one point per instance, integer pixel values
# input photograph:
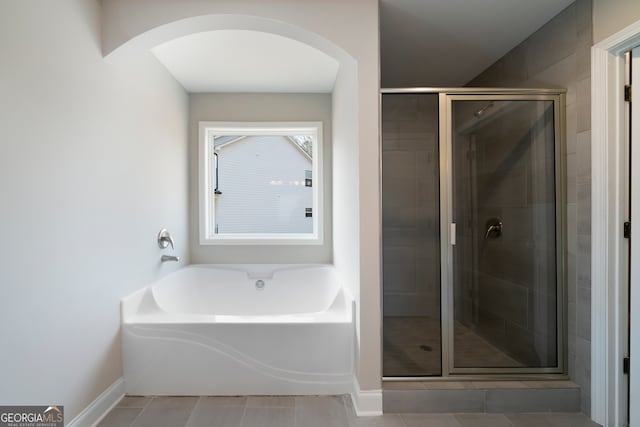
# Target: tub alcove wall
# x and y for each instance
(85, 187)
(131, 28)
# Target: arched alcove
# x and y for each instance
(350, 36)
(150, 38)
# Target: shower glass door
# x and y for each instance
(504, 258)
(473, 232)
(411, 236)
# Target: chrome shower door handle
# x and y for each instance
(494, 227)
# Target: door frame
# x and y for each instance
(608, 266)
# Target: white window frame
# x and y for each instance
(207, 208)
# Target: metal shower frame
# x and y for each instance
(446, 97)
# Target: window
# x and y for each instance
(260, 183)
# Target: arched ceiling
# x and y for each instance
(246, 61)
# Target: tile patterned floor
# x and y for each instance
(316, 411)
(411, 347)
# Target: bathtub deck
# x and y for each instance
(288, 411)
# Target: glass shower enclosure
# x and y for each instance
(473, 232)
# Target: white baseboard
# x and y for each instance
(96, 411)
(366, 403)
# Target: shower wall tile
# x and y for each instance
(583, 100)
(582, 371)
(514, 66)
(572, 348)
(572, 236)
(493, 327)
(571, 319)
(491, 74)
(410, 305)
(583, 17)
(571, 127)
(503, 191)
(396, 139)
(521, 220)
(411, 259)
(519, 342)
(513, 300)
(583, 304)
(399, 270)
(583, 267)
(584, 219)
(562, 71)
(572, 367)
(558, 55)
(518, 271)
(553, 42)
(571, 278)
(584, 254)
(583, 140)
(571, 177)
(583, 56)
(544, 307)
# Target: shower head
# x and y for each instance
(481, 111)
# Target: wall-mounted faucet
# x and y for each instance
(165, 239)
(494, 228)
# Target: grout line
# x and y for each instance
(244, 411)
(193, 410)
(144, 408)
(404, 424)
(148, 403)
(295, 406)
(346, 410)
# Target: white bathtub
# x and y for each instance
(213, 330)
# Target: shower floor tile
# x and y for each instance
(411, 347)
(325, 411)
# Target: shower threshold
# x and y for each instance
(480, 396)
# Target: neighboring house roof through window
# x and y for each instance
(302, 142)
(220, 140)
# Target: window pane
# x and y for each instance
(264, 184)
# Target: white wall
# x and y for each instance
(611, 16)
(346, 223)
(260, 107)
(347, 30)
(93, 162)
